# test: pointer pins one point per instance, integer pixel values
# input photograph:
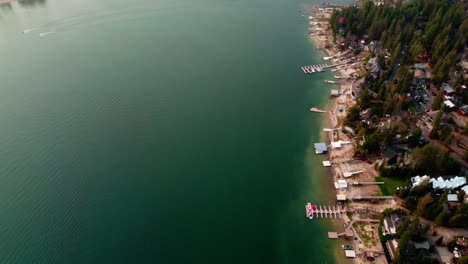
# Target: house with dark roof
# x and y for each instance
(391, 224)
(417, 248)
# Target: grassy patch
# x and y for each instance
(390, 185)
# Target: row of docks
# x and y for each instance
(320, 67)
(314, 68)
(319, 212)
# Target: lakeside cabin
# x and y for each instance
(320, 148)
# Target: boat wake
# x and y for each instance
(91, 19)
(30, 30)
(46, 33)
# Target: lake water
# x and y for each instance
(164, 131)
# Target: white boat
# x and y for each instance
(317, 110)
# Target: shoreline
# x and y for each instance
(337, 109)
(329, 121)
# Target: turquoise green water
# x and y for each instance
(159, 132)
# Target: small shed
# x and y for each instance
(452, 198)
(326, 163)
(342, 184)
(340, 197)
(350, 253)
(336, 144)
(334, 93)
(449, 104)
(332, 235)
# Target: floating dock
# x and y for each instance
(313, 68)
(309, 69)
(314, 211)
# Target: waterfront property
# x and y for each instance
(391, 224)
(314, 211)
(341, 184)
(320, 148)
(440, 183)
(392, 247)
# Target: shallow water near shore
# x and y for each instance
(160, 131)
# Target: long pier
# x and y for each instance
(368, 183)
(323, 212)
(313, 68)
(372, 197)
(309, 69)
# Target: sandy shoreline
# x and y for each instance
(341, 157)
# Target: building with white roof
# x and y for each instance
(350, 253)
(337, 144)
(342, 184)
(341, 197)
(449, 104)
(439, 183)
(465, 188)
(415, 181)
(452, 198)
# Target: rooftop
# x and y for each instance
(320, 148)
(452, 198)
(341, 197)
(447, 88)
(342, 184)
(449, 104)
(350, 253)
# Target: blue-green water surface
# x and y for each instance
(164, 131)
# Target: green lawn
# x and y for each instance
(390, 184)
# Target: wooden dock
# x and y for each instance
(368, 183)
(309, 69)
(323, 212)
(359, 197)
(313, 68)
